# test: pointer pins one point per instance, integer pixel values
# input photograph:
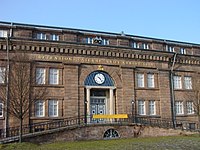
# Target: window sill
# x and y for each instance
(45, 118)
(50, 85)
(144, 88)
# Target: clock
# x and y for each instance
(99, 78)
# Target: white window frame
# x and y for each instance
(40, 108)
(145, 46)
(1, 109)
(182, 51)
(177, 82)
(188, 82)
(2, 75)
(40, 75)
(140, 80)
(3, 33)
(150, 80)
(54, 37)
(141, 107)
(41, 36)
(53, 108)
(170, 49)
(179, 108)
(135, 45)
(190, 107)
(152, 107)
(53, 76)
(89, 40)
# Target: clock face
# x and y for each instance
(99, 78)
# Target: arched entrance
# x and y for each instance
(99, 95)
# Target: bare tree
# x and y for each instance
(196, 96)
(22, 93)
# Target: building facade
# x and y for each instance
(91, 72)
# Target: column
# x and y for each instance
(111, 102)
(88, 104)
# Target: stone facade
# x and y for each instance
(75, 55)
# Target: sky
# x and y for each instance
(177, 20)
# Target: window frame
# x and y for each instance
(41, 36)
(141, 107)
(52, 75)
(190, 107)
(2, 75)
(40, 76)
(40, 108)
(179, 108)
(152, 104)
(150, 80)
(170, 49)
(188, 82)
(140, 80)
(1, 109)
(177, 82)
(183, 51)
(54, 37)
(53, 108)
(3, 33)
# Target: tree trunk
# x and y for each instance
(20, 130)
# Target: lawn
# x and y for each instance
(176, 143)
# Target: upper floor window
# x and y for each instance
(170, 48)
(39, 108)
(140, 80)
(152, 107)
(89, 40)
(53, 108)
(134, 45)
(150, 80)
(188, 82)
(179, 107)
(40, 75)
(141, 107)
(41, 36)
(3, 33)
(177, 82)
(190, 108)
(53, 76)
(97, 40)
(145, 46)
(2, 75)
(54, 37)
(105, 42)
(1, 109)
(182, 51)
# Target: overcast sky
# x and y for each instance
(166, 19)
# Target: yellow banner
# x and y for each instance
(115, 116)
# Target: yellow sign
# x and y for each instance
(115, 116)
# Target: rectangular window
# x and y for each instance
(3, 33)
(179, 107)
(145, 46)
(150, 80)
(177, 82)
(141, 107)
(39, 108)
(40, 75)
(190, 108)
(182, 51)
(53, 108)
(1, 109)
(89, 40)
(41, 36)
(135, 45)
(54, 37)
(152, 107)
(2, 75)
(53, 76)
(188, 82)
(105, 42)
(170, 48)
(140, 80)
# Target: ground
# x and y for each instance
(154, 143)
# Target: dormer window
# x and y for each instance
(41, 36)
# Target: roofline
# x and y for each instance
(98, 32)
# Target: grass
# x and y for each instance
(153, 143)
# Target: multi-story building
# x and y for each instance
(91, 72)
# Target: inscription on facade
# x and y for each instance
(74, 59)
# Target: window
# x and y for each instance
(177, 82)
(179, 107)
(140, 80)
(89, 40)
(3, 33)
(54, 37)
(41, 36)
(145, 46)
(150, 80)
(40, 75)
(1, 109)
(105, 42)
(188, 82)
(53, 76)
(135, 45)
(190, 108)
(170, 49)
(2, 75)
(53, 108)
(182, 51)
(141, 107)
(39, 108)
(152, 110)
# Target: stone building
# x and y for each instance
(91, 72)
